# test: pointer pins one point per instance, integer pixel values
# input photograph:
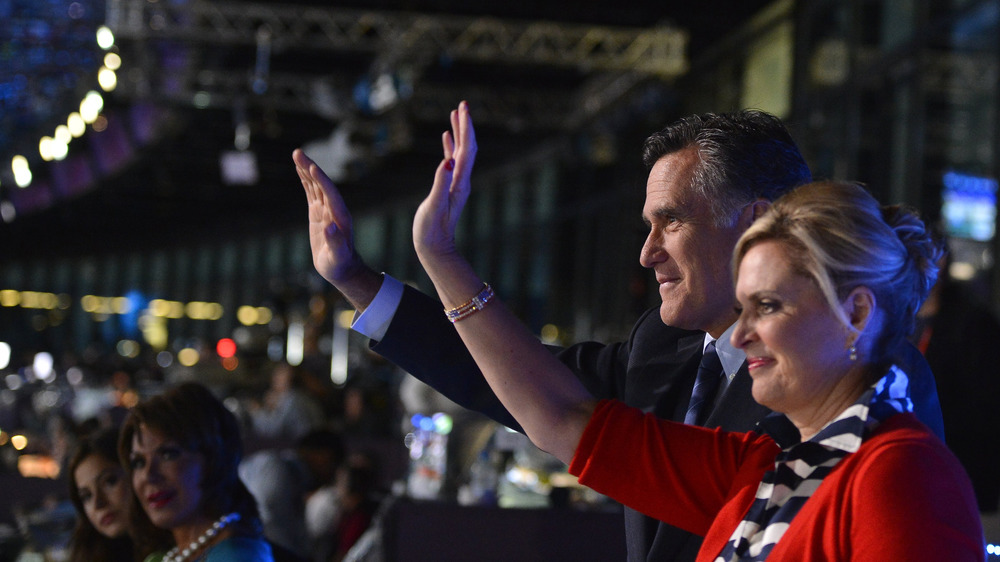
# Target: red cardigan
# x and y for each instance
(902, 496)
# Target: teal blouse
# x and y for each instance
(233, 549)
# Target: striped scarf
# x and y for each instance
(800, 467)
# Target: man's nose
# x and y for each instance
(652, 251)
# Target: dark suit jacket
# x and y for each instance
(654, 370)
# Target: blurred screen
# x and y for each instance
(969, 205)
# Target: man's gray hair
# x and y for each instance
(744, 156)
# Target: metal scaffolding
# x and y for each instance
(600, 55)
(657, 51)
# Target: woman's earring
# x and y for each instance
(853, 353)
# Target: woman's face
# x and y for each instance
(104, 493)
(796, 347)
(166, 478)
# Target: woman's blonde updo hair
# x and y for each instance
(839, 236)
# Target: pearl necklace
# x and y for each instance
(174, 556)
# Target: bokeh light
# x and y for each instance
(112, 61)
(74, 375)
(91, 106)
(9, 297)
(4, 354)
(13, 382)
(188, 357)
(247, 315)
(128, 348)
(76, 125)
(105, 38)
(62, 134)
(46, 148)
(164, 359)
(345, 318)
(42, 364)
(22, 172)
(226, 348)
(107, 79)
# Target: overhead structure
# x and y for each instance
(398, 44)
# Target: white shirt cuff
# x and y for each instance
(375, 319)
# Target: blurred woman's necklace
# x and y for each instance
(174, 556)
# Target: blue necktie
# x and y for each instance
(705, 384)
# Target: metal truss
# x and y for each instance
(658, 51)
(610, 60)
(513, 108)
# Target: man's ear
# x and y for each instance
(758, 208)
(753, 211)
(859, 306)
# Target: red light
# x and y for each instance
(226, 347)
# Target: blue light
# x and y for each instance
(130, 320)
(969, 184)
(48, 56)
(969, 205)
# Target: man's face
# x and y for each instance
(689, 254)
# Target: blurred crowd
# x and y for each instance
(318, 457)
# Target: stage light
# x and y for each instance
(43, 364)
(112, 61)
(105, 38)
(10, 297)
(188, 356)
(46, 148)
(91, 106)
(59, 150)
(247, 315)
(22, 173)
(226, 348)
(107, 79)
(264, 315)
(76, 125)
(62, 134)
(239, 167)
(7, 211)
(4, 354)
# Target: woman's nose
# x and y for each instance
(151, 472)
(741, 335)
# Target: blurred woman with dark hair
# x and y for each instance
(101, 495)
(182, 449)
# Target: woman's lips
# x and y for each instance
(108, 519)
(159, 499)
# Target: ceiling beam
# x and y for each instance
(658, 51)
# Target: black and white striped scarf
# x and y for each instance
(801, 466)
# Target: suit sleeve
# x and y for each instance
(422, 342)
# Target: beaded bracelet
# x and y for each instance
(472, 306)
